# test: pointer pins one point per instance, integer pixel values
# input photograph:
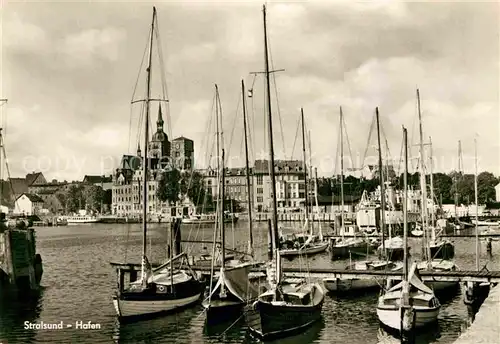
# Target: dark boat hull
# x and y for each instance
(267, 321)
(345, 251)
(445, 251)
(221, 312)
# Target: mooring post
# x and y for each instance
(175, 231)
(30, 257)
(9, 256)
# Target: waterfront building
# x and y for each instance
(28, 204)
(236, 184)
(182, 153)
(127, 190)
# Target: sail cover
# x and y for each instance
(236, 280)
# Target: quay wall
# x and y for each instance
(486, 327)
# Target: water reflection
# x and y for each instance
(166, 329)
(15, 310)
(429, 334)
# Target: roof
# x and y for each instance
(182, 138)
(97, 179)
(281, 167)
(130, 162)
(32, 177)
(31, 197)
(19, 185)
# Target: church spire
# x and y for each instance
(159, 122)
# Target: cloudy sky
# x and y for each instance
(69, 72)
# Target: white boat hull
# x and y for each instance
(392, 317)
(74, 222)
(125, 308)
(309, 250)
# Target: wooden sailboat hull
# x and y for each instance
(132, 305)
(391, 317)
(267, 321)
(219, 311)
(310, 250)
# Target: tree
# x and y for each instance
(93, 196)
(486, 183)
(193, 186)
(75, 198)
(169, 186)
(443, 187)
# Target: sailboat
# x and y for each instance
(345, 247)
(431, 263)
(164, 289)
(312, 244)
(440, 249)
(227, 297)
(409, 304)
(387, 253)
(475, 293)
(392, 248)
(284, 308)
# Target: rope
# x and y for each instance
(277, 100)
(135, 89)
(230, 326)
(368, 141)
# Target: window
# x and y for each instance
(260, 190)
(259, 199)
(259, 180)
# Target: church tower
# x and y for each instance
(159, 146)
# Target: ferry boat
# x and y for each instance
(82, 217)
(207, 219)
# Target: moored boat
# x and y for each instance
(355, 284)
(208, 219)
(421, 300)
(284, 308)
(166, 288)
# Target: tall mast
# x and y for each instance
(405, 206)
(456, 181)
(247, 172)
(477, 205)
(146, 137)
(305, 165)
(222, 177)
(320, 231)
(270, 137)
(382, 188)
(433, 212)
(342, 172)
(3, 101)
(422, 183)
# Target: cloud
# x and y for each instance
(22, 36)
(85, 46)
(355, 55)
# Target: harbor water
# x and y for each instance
(78, 284)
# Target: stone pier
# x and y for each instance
(486, 327)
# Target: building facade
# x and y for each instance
(28, 204)
(127, 181)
